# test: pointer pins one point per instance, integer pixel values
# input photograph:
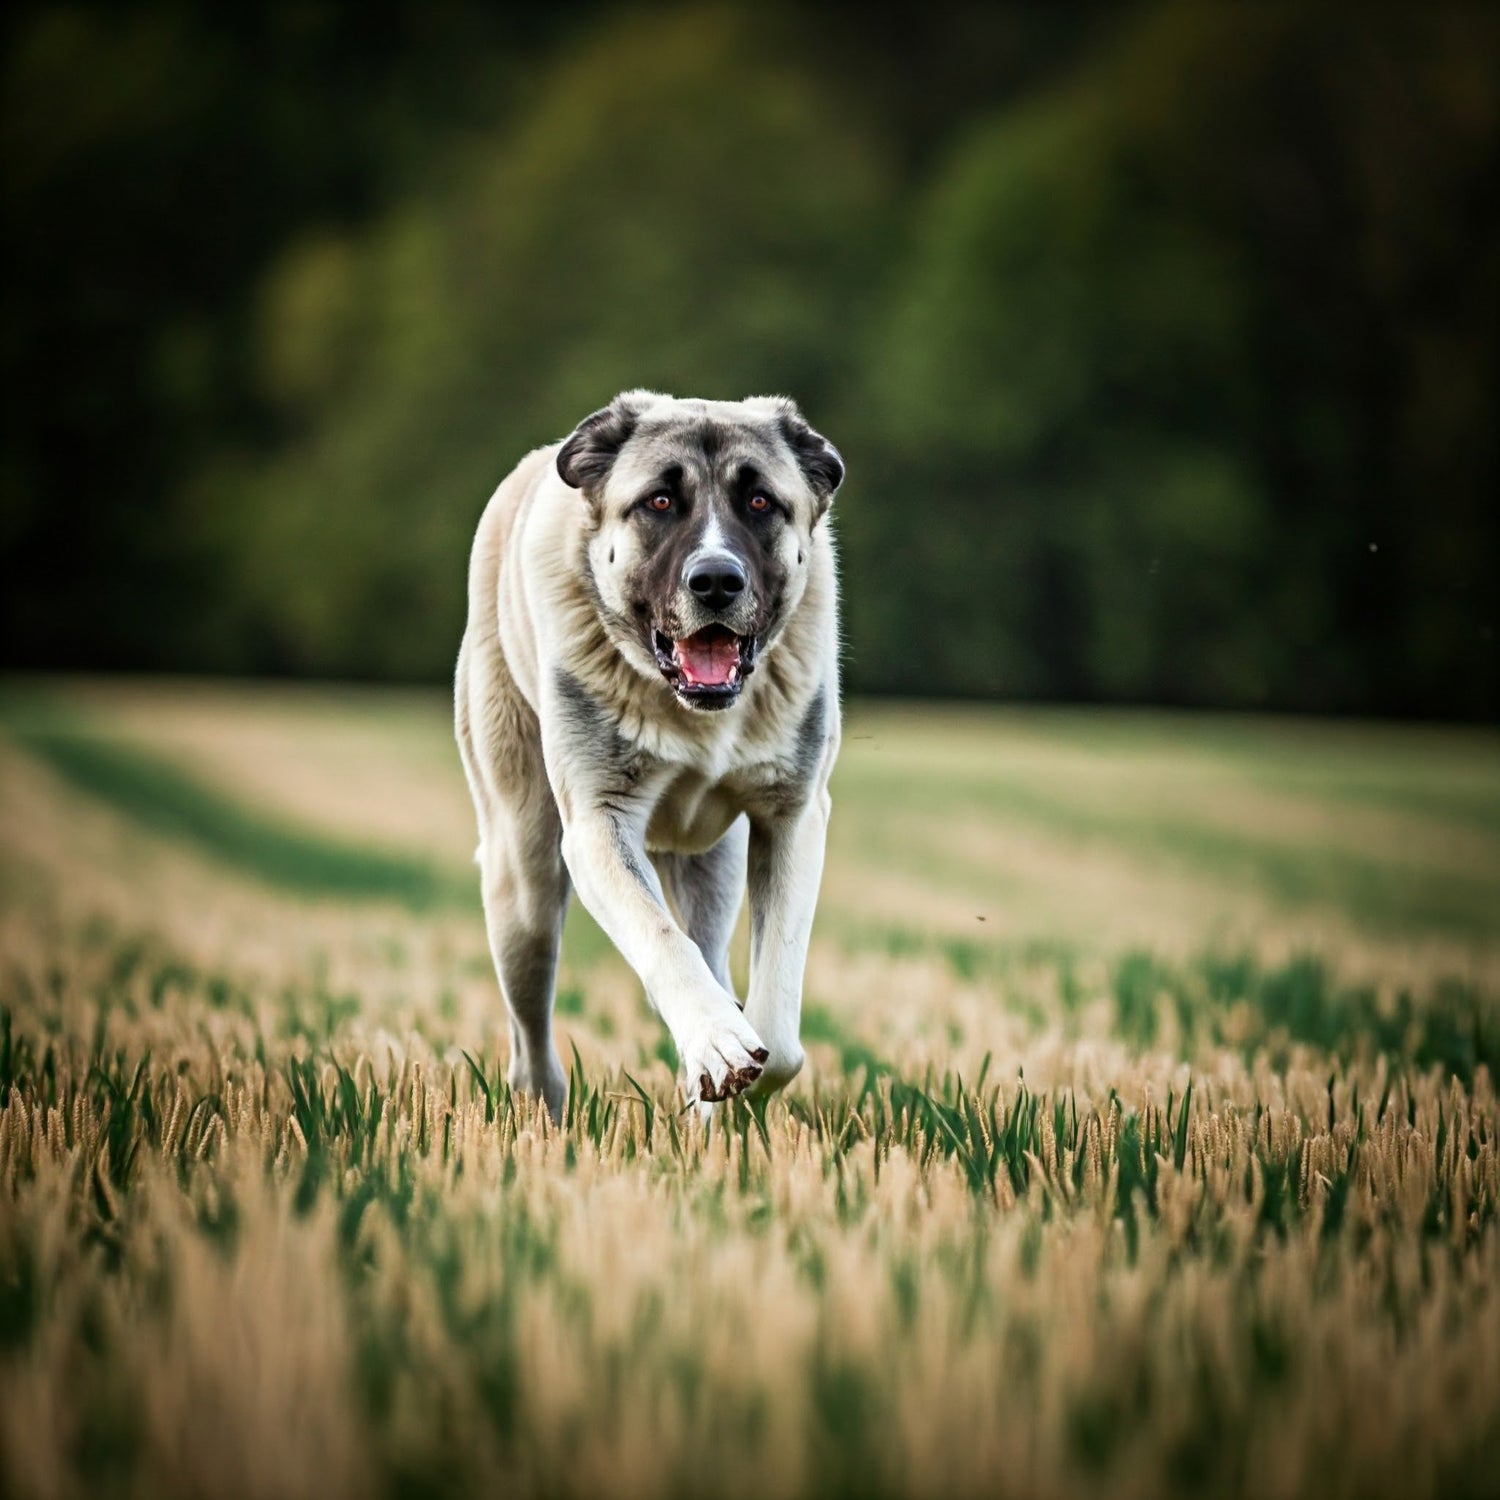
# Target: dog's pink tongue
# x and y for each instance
(709, 660)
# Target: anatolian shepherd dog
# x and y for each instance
(648, 710)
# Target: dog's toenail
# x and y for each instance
(760, 1055)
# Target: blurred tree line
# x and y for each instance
(1161, 342)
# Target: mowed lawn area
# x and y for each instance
(1147, 1143)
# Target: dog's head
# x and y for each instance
(701, 522)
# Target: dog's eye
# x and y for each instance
(759, 504)
(660, 503)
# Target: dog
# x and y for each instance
(647, 709)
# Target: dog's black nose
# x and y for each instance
(717, 581)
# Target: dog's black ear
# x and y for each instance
(585, 459)
(819, 460)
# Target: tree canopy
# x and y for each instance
(1160, 342)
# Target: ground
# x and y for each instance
(1147, 1144)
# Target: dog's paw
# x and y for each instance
(721, 1058)
(546, 1082)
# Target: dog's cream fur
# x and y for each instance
(588, 772)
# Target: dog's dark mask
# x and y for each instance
(702, 515)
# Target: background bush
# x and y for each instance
(1161, 342)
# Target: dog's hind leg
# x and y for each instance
(523, 878)
(706, 891)
(525, 899)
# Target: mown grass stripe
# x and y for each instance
(162, 797)
(1375, 894)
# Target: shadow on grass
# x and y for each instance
(162, 797)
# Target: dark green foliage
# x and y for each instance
(1159, 341)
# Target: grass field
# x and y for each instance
(1147, 1146)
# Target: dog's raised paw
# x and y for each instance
(722, 1061)
(735, 1082)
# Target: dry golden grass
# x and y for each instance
(271, 1225)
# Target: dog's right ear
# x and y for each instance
(585, 459)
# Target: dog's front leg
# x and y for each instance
(604, 848)
(785, 871)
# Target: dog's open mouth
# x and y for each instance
(708, 668)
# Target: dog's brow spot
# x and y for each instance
(710, 439)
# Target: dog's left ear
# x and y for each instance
(585, 459)
(818, 459)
